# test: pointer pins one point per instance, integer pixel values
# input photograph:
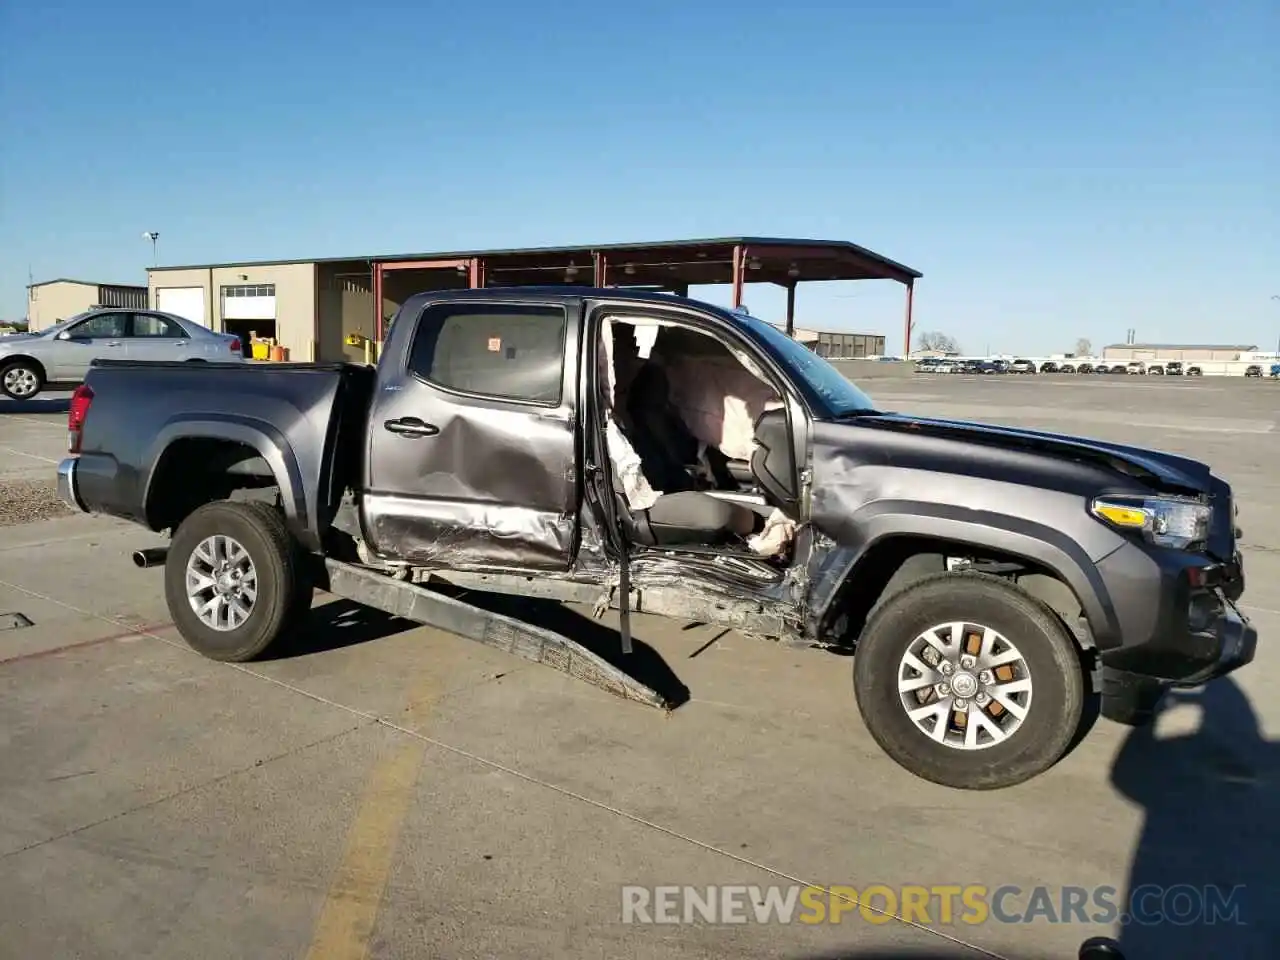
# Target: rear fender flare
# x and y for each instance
(269, 443)
(1050, 548)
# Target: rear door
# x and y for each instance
(101, 336)
(472, 458)
(153, 337)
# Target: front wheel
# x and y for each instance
(967, 681)
(21, 379)
(234, 580)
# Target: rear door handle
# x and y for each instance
(411, 427)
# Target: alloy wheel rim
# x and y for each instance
(222, 583)
(21, 381)
(964, 685)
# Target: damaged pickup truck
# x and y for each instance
(661, 455)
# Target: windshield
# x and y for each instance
(814, 374)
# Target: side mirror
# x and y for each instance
(63, 335)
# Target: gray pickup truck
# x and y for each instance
(992, 583)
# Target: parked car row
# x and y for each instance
(1137, 368)
(30, 363)
(1257, 370)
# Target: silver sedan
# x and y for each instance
(62, 354)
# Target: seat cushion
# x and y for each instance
(687, 517)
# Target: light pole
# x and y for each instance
(1276, 296)
(153, 236)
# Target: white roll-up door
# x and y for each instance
(249, 301)
(185, 302)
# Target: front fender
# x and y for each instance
(1055, 550)
(260, 436)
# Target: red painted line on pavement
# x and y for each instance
(110, 638)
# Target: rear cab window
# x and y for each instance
(504, 351)
(151, 325)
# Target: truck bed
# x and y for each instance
(155, 430)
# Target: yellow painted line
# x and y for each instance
(345, 926)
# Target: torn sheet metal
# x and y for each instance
(467, 535)
(492, 629)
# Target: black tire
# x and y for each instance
(284, 592)
(1048, 650)
(7, 370)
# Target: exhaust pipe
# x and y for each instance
(151, 557)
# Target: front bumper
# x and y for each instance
(67, 492)
(1179, 623)
(1234, 640)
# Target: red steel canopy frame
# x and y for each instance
(670, 265)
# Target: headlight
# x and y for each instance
(1164, 521)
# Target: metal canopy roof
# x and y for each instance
(88, 283)
(694, 262)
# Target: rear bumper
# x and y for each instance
(67, 491)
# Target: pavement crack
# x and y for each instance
(185, 791)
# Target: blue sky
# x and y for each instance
(1055, 170)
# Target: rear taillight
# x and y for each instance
(235, 346)
(80, 402)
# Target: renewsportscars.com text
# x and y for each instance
(936, 905)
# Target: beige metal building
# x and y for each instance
(309, 307)
(841, 346)
(1184, 352)
(50, 301)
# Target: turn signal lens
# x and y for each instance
(1121, 516)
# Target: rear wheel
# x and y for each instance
(234, 580)
(967, 681)
(21, 379)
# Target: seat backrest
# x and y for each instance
(664, 443)
(773, 462)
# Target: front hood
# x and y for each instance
(12, 338)
(1164, 470)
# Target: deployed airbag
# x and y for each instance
(718, 398)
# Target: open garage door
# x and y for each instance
(185, 302)
(249, 311)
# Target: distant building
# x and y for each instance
(1185, 352)
(50, 301)
(840, 346)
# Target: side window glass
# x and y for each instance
(150, 325)
(506, 351)
(102, 326)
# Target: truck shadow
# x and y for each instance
(1203, 881)
(36, 406)
(644, 664)
(337, 624)
(1095, 948)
